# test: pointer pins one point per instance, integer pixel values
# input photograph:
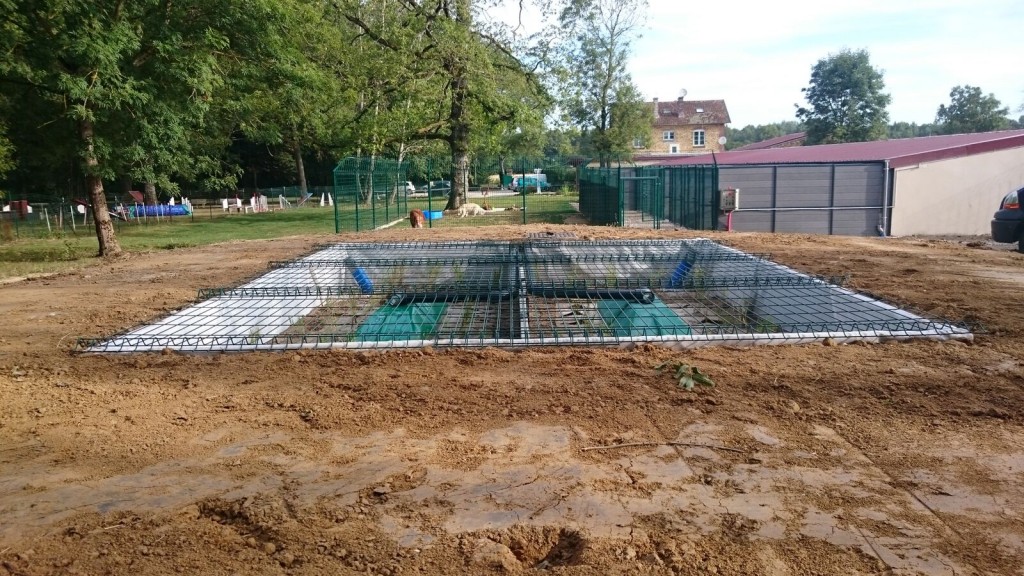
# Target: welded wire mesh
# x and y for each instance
(371, 193)
(650, 196)
(519, 294)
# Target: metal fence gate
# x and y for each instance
(650, 196)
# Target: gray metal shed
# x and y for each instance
(931, 185)
(829, 198)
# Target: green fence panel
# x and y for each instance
(651, 195)
(507, 190)
(601, 196)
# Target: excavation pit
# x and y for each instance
(679, 293)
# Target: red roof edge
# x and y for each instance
(994, 145)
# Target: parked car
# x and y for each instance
(531, 183)
(1008, 223)
(407, 186)
(438, 187)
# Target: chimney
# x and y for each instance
(655, 108)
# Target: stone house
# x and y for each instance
(687, 127)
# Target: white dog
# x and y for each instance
(470, 209)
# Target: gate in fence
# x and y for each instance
(651, 196)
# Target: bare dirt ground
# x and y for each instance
(898, 458)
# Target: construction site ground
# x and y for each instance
(887, 458)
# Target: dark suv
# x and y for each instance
(438, 187)
(1008, 223)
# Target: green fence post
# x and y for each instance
(337, 216)
(622, 198)
(523, 191)
(716, 198)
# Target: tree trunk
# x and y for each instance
(460, 180)
(108, 243)
(126, 187)
(458, 115)
(149, 194)
(459, 141)
(300, 167)
(399, 187)
(369, 179)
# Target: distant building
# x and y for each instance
(794, 139)
(685, 127)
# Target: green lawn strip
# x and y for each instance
(63, 251)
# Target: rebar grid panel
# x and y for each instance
(677, 293)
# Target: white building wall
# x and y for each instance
(954, 196)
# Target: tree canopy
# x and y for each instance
(970, 111)
(438, 70)
(126, 83)
(749, 134)
(845, 100)
(165, 93)
(598, 94)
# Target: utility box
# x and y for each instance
(729, 199)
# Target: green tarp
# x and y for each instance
(406, 322)
(420, 321)
(626, 318)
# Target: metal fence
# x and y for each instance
(678, 293)
(22, 220)
(370, 193)
(381, 192)
(649, 196)
(42, 220)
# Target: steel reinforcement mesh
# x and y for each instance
(540, 292)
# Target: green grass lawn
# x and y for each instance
(29, 248)
(538, 209)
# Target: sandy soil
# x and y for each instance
(860, 459)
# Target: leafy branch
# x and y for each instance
(688, 376)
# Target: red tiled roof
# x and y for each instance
(774, 142)
(899, 153)
(689, 112)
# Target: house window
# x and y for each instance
(668, 136)
(673, 149)
(638, 142)
(698, 138)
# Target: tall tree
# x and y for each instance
(462, 71)
(846, 102)
(143, 69)
(970, 111)
(599, 95)
(297, 100)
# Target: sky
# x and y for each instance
(757, 55)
